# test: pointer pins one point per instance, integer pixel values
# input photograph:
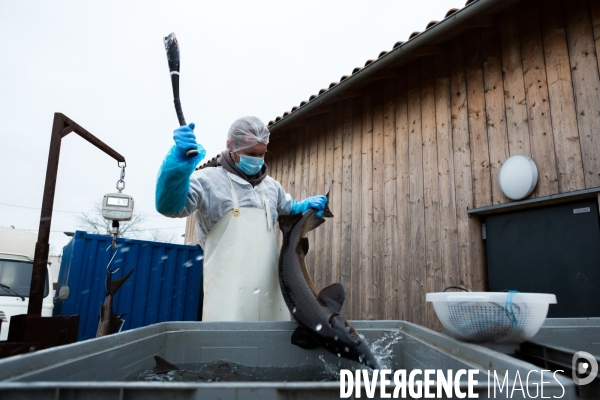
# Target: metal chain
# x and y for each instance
(121, 182)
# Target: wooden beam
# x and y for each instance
(291, 172)
(448, 222)
(416, 210)
(461, 148)
(324, 266)
(378, 211)
(478, 260)
(332, 251)
(314, 130)
(562, 101)
(536, 96)
(299, 163)
(306, 153)
(274, 164)
(390, 230)
(345, 218)
(494, 108)
(480, 160)
(284, 151)
(595, 14)
(403, 197)
(357, 239)
(586, 86)
(431, 190)
(367, 296)
(514, 86)
(190, 231)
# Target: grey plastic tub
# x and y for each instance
(93, 369)
(578, 334)
(556, 344)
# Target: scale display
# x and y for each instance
(117, 201)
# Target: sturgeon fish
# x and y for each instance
(109, 321)
(163, 366)
(223, 372)
(316, 313)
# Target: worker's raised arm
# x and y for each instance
(173, 181)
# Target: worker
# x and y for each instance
(236, 206)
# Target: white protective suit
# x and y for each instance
(235, 225)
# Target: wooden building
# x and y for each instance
(414, 141)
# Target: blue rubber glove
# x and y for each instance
(173, 180)
(316, 203)
(185, 139)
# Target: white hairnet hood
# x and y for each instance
(246, 132)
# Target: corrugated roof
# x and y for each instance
(357, 69)
(371, 63)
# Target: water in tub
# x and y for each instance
(227, 371)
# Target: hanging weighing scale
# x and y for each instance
(117, 206)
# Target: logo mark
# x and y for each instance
(584, 362)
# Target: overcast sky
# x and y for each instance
(103, 65)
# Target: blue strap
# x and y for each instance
(508, 305)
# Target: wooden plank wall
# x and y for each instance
(411, 153)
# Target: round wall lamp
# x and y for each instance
(517, 177)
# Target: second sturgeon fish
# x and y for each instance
(317, 313)
(110, 322)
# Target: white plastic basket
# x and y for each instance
(488, 317)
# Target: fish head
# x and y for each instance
(306, 221)
(350, 344)
(366, 356)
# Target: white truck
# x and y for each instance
(16, 265)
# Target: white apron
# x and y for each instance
(240, 272)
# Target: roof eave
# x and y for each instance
(429, 36)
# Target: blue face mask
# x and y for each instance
(250, 165)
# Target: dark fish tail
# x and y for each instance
(113, 286)
(163, 366)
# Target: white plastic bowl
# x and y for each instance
(486, 317)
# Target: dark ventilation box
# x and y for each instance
(553, 249)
